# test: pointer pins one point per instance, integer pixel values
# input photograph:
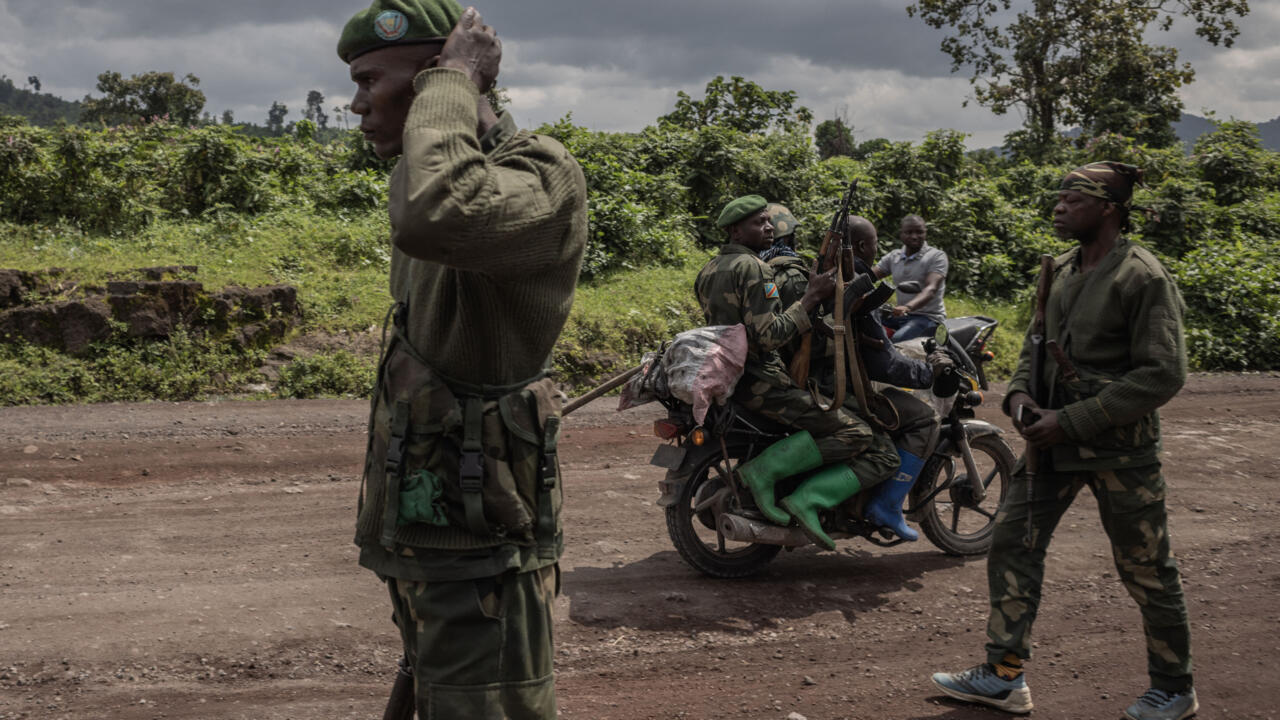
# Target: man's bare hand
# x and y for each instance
(821, 286)
(473, 48)
(1016, 402)
(900, 310)
(1046, 432)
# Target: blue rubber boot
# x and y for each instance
(884, 508)
(789, 456)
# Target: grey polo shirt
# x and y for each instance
(916, 267)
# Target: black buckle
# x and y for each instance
(401, 316)
(549, 462)
(471, 472)
(395, 455)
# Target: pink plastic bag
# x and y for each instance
(704, 364)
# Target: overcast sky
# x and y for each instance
(614, 65)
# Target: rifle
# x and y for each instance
(1035, 383)
(402, 703)
(836, 251)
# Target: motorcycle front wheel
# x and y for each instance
(691, 523)
(952, 520)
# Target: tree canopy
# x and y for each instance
(741, 105)
(1076, 63)
(140, 98)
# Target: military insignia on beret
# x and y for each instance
(771, 291)
(391, 25)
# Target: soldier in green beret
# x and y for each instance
(459, 511)
(736, 286)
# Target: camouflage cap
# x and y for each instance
(397, 22)
(784, 223)
(1111, 181)
(740, 209)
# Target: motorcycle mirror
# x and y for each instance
(940, 335)
(910, 287)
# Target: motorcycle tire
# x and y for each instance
(943, 514)
(694, 536)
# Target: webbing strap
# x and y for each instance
(471, 471)
(394, 472)
(546, 530)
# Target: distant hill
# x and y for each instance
(1191, 127)
(38, 108)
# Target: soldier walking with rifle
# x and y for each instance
(459, 511)
(1104, 351)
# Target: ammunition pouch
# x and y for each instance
(454, 465)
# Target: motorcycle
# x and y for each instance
(716, 528)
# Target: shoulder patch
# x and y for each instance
(771, 291)
(391, 25)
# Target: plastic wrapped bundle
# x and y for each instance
(647, 385)
(704, 364)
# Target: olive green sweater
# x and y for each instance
(1121, 326)
(488, 241)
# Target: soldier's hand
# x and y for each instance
(900, 310)
(1046, 431)
(473, 48)
(1016, 402)
(821, 286)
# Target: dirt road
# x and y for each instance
(195, 561)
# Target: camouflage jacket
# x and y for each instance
(1121, 326)
(737, 287)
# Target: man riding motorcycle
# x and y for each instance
(737, 287)
(917, 422)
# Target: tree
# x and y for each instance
(228, 118)
(34, 82)
(742, 105)
(315, 109)
(144, 97)
(833, 138)
(275, 118)
(1063, 63)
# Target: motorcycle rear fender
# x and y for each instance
(679, 463)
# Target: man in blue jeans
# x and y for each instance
(916, 314)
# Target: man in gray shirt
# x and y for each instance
(916, 314)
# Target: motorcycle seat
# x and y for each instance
(965, 329)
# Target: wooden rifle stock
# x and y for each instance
(402, 703)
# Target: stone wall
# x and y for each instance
(45, 308)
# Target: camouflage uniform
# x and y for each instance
(460, 508)
(737, 287)
(1121, 324)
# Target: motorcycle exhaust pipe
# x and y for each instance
(741, 529)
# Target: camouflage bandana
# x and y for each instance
(780, 248)
(1111, 181)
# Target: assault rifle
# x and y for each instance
(1035, 383)
(837, 252)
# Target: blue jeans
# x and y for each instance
(910, 326)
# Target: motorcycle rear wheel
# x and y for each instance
(693, 533)
(952, 521)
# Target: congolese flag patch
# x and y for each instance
(771, 291)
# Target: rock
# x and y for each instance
(796, 716)
(30, 450)
(809, 681)
(18, 482)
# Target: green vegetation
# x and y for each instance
(257, 211)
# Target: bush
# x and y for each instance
(328, 374)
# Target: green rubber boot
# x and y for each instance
(790, 455)
(824, 490)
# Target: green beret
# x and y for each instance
(741, 208)
(397, 22)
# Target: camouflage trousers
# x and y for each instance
(841, 435)
(480, 648)
(1132, 508)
